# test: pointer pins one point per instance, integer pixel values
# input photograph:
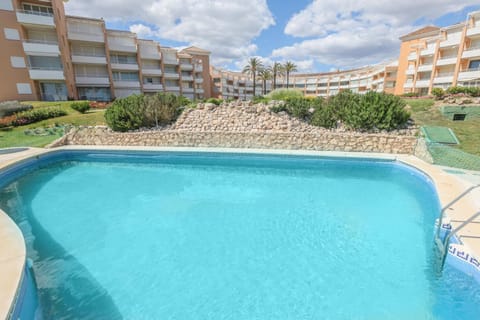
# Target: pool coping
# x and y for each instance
(448, 186)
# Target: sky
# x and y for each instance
(318, 35)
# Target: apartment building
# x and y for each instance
(236, 85)
(49, 56)
(434, 57)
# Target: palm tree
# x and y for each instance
(252, 68)
(265, 74)
(289, 67)
(277, 71)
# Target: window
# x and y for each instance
(474, 64)
(6, 5)
(45, 63)
(11, 34)
(38, 10)
(24, 88)
(17, 62)
(125, 76)
(94, 93)
(123, 59)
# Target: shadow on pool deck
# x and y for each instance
(76, 294)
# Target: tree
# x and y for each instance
(277, 71)
(289, 67)
(265, 74)
(252, 68)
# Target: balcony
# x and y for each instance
(46, 74)
(448, 60)
(27, 17)
(152, 87)
(80, 58)
(122, 47)
(126, 84)
(171, 75)
(452, 42)
(149, 54)
(472, 52)
(473, 31)
(444, 77)
(125, 66)
(170, 61)
(41, 48)
(86, 36)
(151, 72)
(422, 83)
(469, 74)
(200, 80)
(200, 90)
(187, 90)
(427, 52)
(172, 88)
(187, 78)
(408, 84)
(198, 68)
(83, 80)
(425, 67)
(186, 66)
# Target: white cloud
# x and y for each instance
(142, 30)
(350, 33)
(227, 29)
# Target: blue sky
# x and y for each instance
(318, 35)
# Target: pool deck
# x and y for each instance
(449, 183)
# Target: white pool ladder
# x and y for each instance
(443, 245)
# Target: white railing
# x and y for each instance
(49, 68)
(36, 13)
(53, 43)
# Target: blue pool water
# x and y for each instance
(212, 236)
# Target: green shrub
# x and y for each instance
(438, 93)
(137, 111)
(8, 108)
(343, 101)
(126, 113)
(456, 90)
(215, 101)
(325, 116)
(298, 107)
(38, 114)
(279, 108)
(411, 95)
(81, 107)
(284, 94)
(376, 111)
(163, 108)
(261, 99)
(473, 91)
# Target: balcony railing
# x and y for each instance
(36, 13)
(444, 74)
(86, 36)
(41, 47)
(46, 73)
(35, 17)
(92, 79)
(53, 43)
(89, 54)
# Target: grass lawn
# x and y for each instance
(427, 112)
(17, 137)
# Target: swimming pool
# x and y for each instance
(215, 236)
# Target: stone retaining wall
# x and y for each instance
(324, 141)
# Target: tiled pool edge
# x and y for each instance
(446, 186)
